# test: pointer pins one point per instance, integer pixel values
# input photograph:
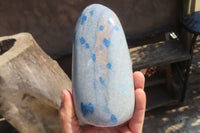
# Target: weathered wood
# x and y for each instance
(157, 96)
(30, 85)
(155, 81)
(161, 53)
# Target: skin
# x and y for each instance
(70, 124)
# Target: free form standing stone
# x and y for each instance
(103, 89)
(30, 85)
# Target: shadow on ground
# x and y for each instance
(184, 118)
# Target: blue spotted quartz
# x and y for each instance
(103, 88)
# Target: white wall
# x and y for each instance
(197, 7)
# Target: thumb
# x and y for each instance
(69, 122)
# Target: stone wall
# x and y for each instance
(52, 22)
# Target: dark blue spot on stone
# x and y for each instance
(109, 65)
(87, 45)
(87, 109)
(84, 18)
(82, 40)
(101, 27)
(113, 118)
(91, 12)
(106, 42)
(94, 57)
(102, 81)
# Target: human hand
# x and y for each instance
(70, 124)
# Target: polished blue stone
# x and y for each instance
(103, 88)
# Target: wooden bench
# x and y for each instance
(162, 53)
(156, 54)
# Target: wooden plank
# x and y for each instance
(158, 96)
(157, 54)
(192, 8)
(186, 7)
(155, 81)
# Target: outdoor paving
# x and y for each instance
(182, 118)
